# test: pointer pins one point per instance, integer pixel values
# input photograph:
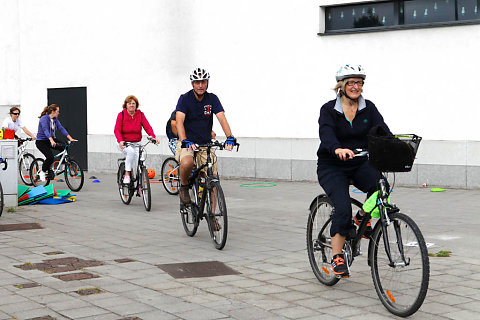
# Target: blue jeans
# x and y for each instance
(335, 178)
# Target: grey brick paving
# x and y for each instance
(266, 244)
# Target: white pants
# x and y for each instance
(132, 154)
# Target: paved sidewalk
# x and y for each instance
(102, 245)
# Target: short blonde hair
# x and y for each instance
(340, 85)
(128, 99)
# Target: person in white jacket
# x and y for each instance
(14, 122)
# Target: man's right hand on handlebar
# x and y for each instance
(188, 144)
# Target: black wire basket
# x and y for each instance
(396, 153)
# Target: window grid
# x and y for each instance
(388, 15)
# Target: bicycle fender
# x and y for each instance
(316, 199)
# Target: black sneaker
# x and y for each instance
(358, 221)
(339, 267)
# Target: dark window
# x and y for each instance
(359, 16)
(383, 15)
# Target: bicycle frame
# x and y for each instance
(140, 162)
(21, 150)
(384, 221)
(209, 178)
(62, 156)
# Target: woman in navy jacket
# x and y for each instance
(344, 124)
(46, 138)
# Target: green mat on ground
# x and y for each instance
(22, 190)
(62, 193)
(50, 192)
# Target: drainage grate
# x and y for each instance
(20, 226)
(197, 269)
(76, 276)
(60, 265)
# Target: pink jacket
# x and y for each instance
(129, 128)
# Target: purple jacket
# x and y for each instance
(45, 130)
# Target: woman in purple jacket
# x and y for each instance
(46, 138)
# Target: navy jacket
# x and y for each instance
(337, 132)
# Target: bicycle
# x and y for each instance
(397, 253)
(73, 173)
(2, 202)
(170, 176)
(25, 160)
(142, 185)
(206, 190)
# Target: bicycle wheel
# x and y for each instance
(319, 244)
(401, 287)
(74, 176)
(35, 168)
(146, 192)
(170, 176)
(217, 215)
(2, 204)
(189, 213)
(24, 168)
(126, 192)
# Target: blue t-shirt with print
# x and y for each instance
(199, 115)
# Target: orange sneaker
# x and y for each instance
(339, 267)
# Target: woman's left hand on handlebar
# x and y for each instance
(344, 154)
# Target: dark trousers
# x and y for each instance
(46, 148)
(335, 178)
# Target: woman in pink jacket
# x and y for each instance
(128, 128)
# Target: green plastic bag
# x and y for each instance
(370, 204)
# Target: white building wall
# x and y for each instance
(269, 67)
(9, 50)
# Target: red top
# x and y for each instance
(129, 128)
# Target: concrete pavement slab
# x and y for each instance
(266, 244)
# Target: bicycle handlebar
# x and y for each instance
(360, 152)
(149, 138)
(215, 143)
(5, 163)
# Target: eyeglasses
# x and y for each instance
(353, 83)
(16, 113)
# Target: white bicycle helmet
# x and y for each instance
(199, 74)
(350, 71)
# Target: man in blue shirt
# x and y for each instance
(194, 116)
